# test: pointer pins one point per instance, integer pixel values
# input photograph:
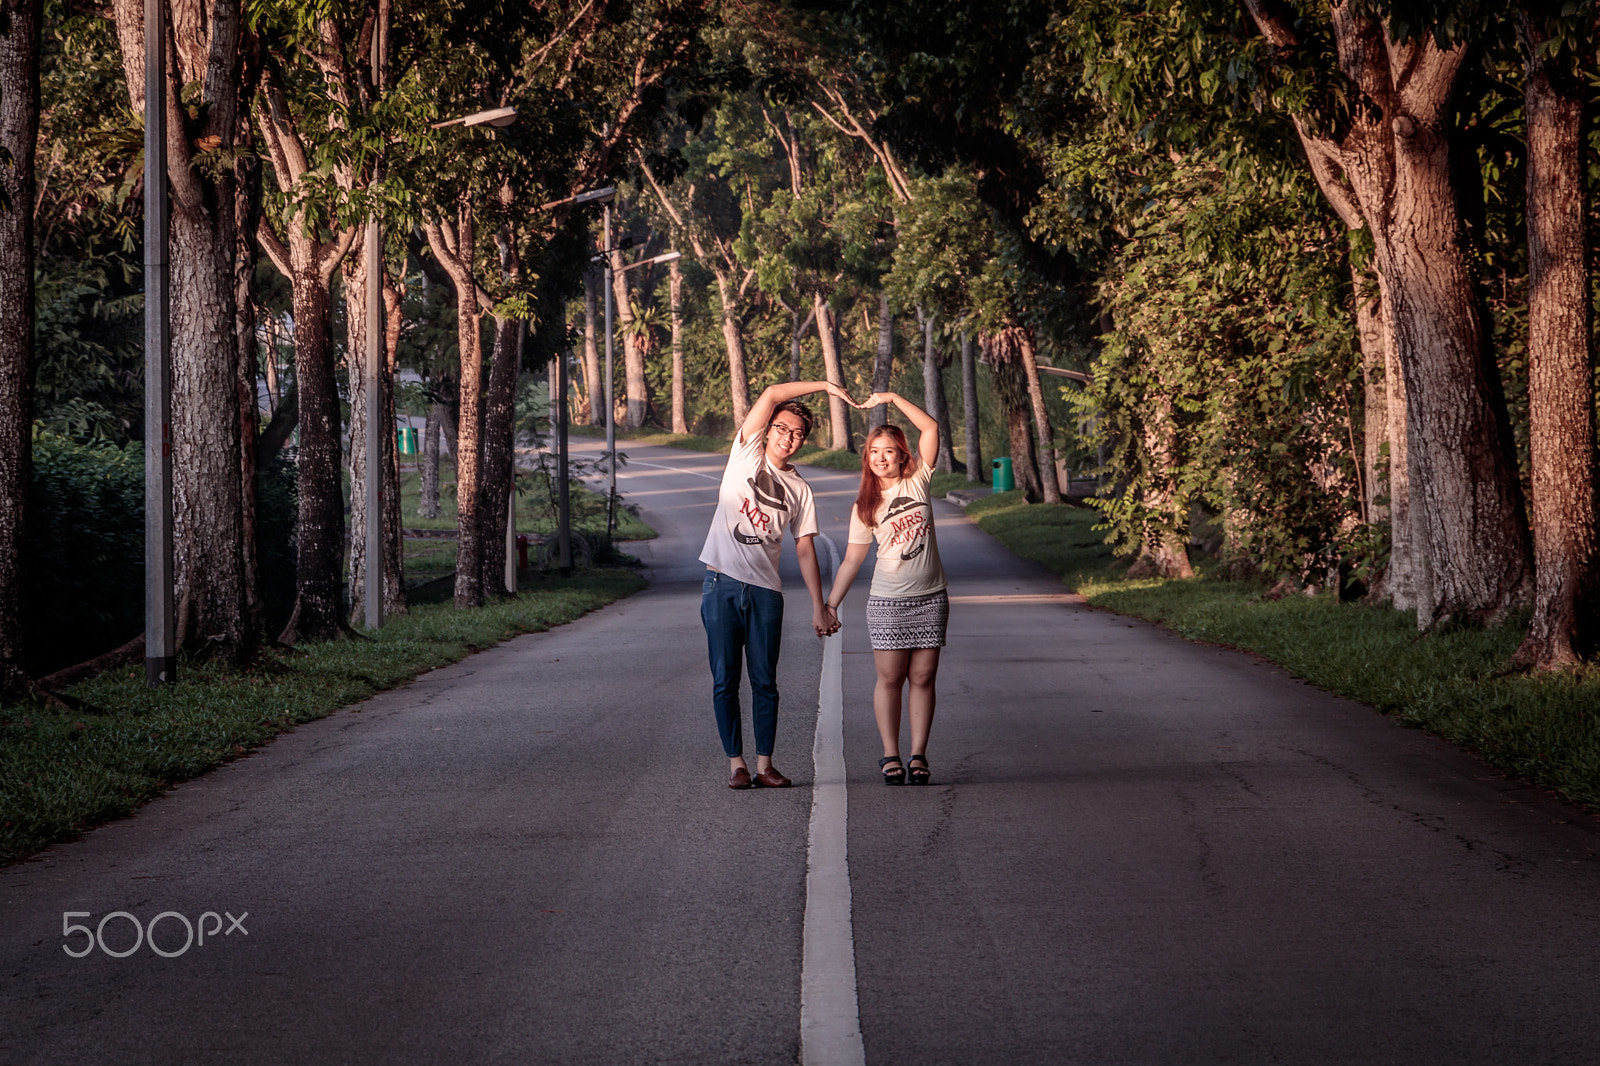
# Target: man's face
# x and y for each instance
(785, 434)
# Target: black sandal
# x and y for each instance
(896, 776)
(920, 775)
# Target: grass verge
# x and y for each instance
(61, 773)
(1457, 684)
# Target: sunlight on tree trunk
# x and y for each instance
(1560, 375)
(883, 361)
(680, 423)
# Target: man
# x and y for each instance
(741, 602)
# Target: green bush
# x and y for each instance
(83, 577)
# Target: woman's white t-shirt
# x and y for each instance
(756, 503)
(908, 553)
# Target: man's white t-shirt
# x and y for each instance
(908, 554)
(756, 503)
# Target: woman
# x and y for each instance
(907, 609)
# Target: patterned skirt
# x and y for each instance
(895, 623)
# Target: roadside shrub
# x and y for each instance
(83, 582)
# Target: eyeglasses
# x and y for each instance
(785, 433)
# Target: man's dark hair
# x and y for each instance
(800, 411)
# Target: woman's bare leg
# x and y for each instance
(922, 669)
(892, 667)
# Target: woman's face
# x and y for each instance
(884, 458)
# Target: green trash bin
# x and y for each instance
(406, 440)
(1001, 479)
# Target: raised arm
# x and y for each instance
(761, 411)
(927, 427)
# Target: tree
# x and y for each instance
(213, 612)
(314, 176)
(19, 123)
(712, 240)
(1386, 161)
(680, 424)
(1560, 367)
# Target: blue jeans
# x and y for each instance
(743, 622)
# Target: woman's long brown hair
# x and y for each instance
(871, 494)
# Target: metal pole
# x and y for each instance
(373, 567)
(611, 407)
(511, 508)
(564, 526)
(160, 652)
(511, 532)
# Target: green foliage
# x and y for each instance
(90, 352)
(83, 586)
(1228, 377)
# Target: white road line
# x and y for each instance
(830, 1014)
(675, 470)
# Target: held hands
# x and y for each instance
(871, 401)
(825, 620)
(841, 393)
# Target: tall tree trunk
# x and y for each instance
(969, 402)
(213, 615)
(19, 127)
(499, 452)
(499, 431)
(247, 215)
(394, 550)
(1163, 547)
(1019, 430)
(355, 362)
(309, 264)
(838, 413)
(632, 350)
(680, 422)
(883, 362)
(1003, 348)
(1458, 435)
(319, 528)
(1408, 578)
(1389, 168)
(592, 384)
(1561, 431)
(1370, 333)
(1050, 488)
(452, 245)
(428, 476)
(733, 339)
(933, 398)
(797, 337)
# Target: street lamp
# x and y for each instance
(499, 116)
(611, 407)
(160, 651)
(558, 402)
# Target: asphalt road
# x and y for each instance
(1135, 850)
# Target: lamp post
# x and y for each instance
(160, 651)
(611, 407)
(559, 401)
